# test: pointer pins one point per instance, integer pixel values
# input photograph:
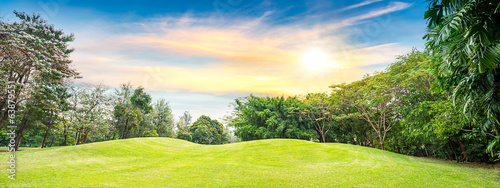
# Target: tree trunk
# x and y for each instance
(48, 129)
(51, 140)
(20, 131)
(426, 152)
(382, 143)
(20, 136)
(45, 137)
(84, 139)
(76, 138)
(465, 157)
(84, 136)
(16, 99)
(18, 140)
(322, 139)
(4, 118)
(125, 130)
(65, 134)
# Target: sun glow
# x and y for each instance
(316, 59)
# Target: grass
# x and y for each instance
(4, 149)
(164, 162)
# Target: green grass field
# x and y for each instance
(164, 162)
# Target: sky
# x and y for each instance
(201, 55)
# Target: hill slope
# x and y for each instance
(164, 162)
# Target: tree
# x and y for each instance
(31, 51)
(466, 34)
(129, 113)
(90, 110)
(185, 135)
(128, 118)
(151, 133)
(419, 107)
(55, 98)
(183, 126)
(162, 118)
(184, 121)
(141, 100)
(270, 117)
(318, 110)
(374, 99)
(207, 131)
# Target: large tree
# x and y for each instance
(270, 117)
(375, 101)
(319, 111)
(32, 51)
(466, 33)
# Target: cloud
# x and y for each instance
(193, 53)
(392, 7)
(364, 3)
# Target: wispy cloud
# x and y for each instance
(364, 3)
(392, 7)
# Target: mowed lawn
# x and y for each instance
(165, 162)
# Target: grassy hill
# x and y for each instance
(164, 162)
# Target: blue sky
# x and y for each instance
(201, 55)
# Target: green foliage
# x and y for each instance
(318, 110)
(466, 35)
(207, 131)
(128, 118)
(90, 108)
(162, 118)
(141, 100)
(374, 100)
(184, 135)
(270, 117)
(35, 60)
(151, 133)
(129, 113)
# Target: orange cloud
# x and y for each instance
(250, 56)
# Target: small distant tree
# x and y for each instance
(183, 126)
(128, 114)
(162, 118)
(184, 135)
(151, 133)
(90, 110)
(184, 121)
(208, 131)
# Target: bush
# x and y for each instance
(184, 136)
(151, 133)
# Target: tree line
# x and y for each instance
(401, 109)
(443, 102)
(53, 110)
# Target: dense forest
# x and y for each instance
(442, 102)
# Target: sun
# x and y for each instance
(315, 59)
